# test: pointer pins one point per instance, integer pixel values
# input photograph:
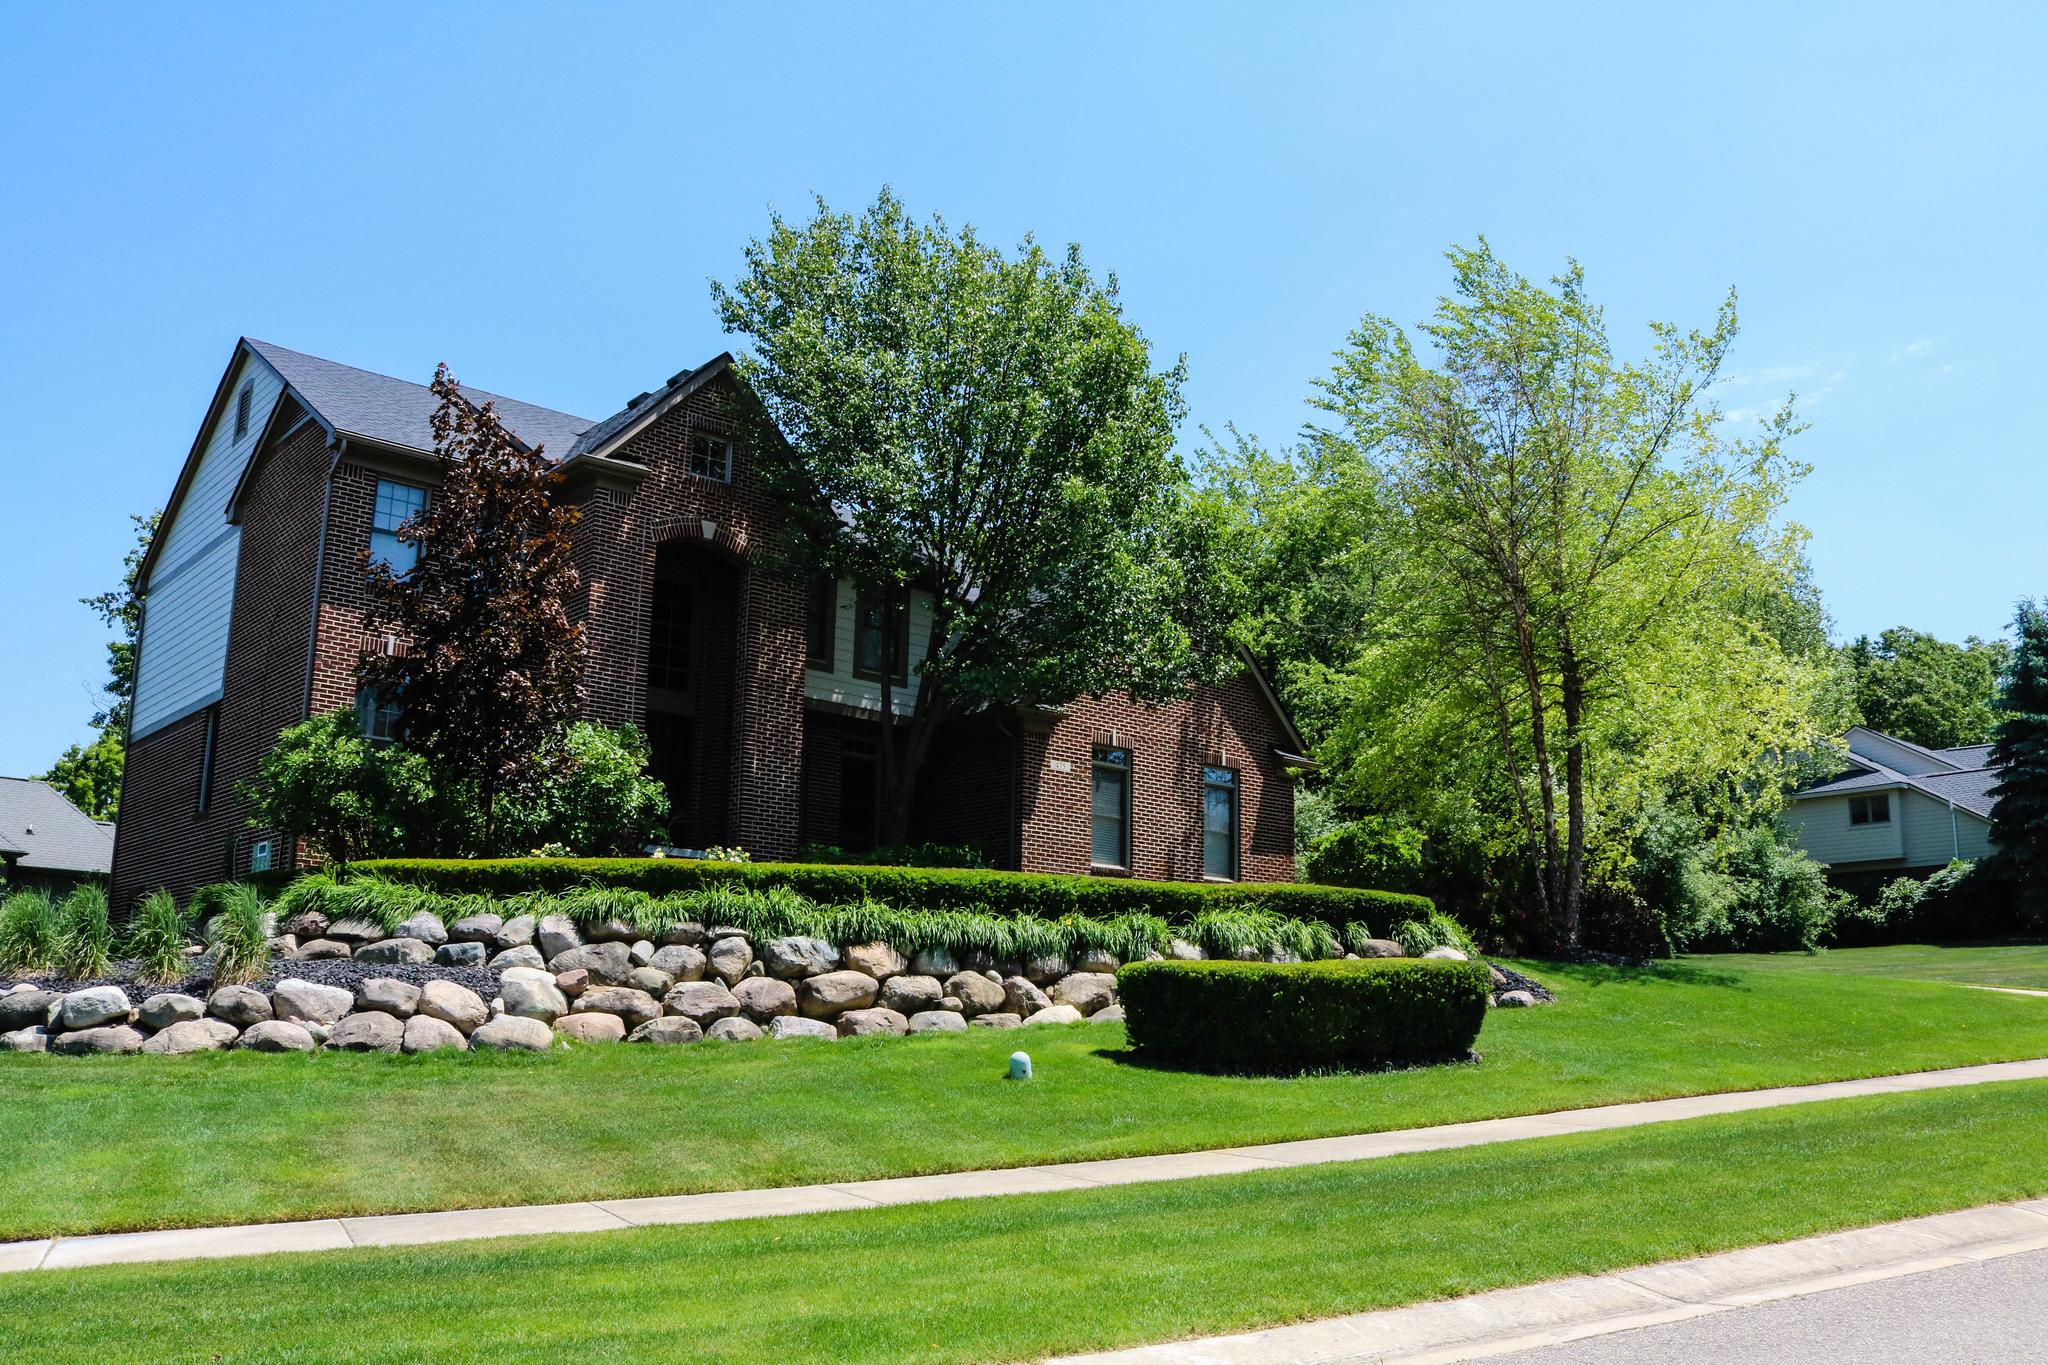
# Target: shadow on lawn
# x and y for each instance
(1127, 1056)
(1593, 975)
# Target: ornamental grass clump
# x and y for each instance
(28, 931)
(1436, 930)
(237, 933)
(157, 937)
(85, 937)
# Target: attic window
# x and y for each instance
(711, 458)
(1870, 810)
(242, 402)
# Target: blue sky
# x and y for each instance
(538, 194)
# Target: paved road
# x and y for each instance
(1987, 1311)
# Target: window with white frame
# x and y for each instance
(1870, 810)
(711, 458)
(1219, 823)
(397, 503)
(381, 718)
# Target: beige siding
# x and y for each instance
(1932, 837)
(841, 686)
(1821, 825)
(1888, 752)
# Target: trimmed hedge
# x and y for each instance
(909, 888)
(1257, 1016)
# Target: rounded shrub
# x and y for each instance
(1299, 1016)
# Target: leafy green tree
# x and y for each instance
(347, 796)
(90, 774)
(990, 429)
(2019, 823)
(598, 798)
(1925, 690)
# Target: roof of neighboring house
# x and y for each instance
(49, 833)
(1968, 784)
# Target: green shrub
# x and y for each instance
(85, 937)
(1434, 930)
(350, 797)
(1256, 1016)
(156, 938)
(237, 930)
(905, 855)
(1374, 851)
(28, 931)
(597, 797)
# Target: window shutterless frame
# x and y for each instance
(397, 503)
(1109, 810)
(711, 458)
(1870, 810)
(876, 647)
(1219, 824)
(821, 629)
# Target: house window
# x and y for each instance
(1870, 810)
(380, 719)
(206, 760)
(397, 503)
(875, 645)
(668, 638)
(711, 458)
(1110, 809)
(1219, 823)
(821, 623)
(242, 402)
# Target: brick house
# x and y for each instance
(760, 696)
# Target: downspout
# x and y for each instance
(1955, 840)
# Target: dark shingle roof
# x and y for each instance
(1969, 787)
(397, 412)
(679, 386)
(1969, 757)
(50, 833)
(1970, 791)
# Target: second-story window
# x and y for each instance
(397, 503)
(668, 637)
(382, 720)
(1870, 810)
(711, 458)
(880, 644)
(821, 623)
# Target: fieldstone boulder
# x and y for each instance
(555, 935)
(607, 963)
(732, 958)
(192, 1035)
(653, 980)
(516, 932)
(796, 1026)
(426, 926)
(307, 924)
(1021, 997)
(1098, 960)
(1381, 947)
(689, 933)
(466, 954)
(878, 960)
(1108, 1014)
(797, 957)
(513, 1032)
(476, 929)
(681, 961)
(635, 1007)
(355, 932)
(951, 1004)
(641, 953)
(275, 1035)
(1055, 1014)
(701, 1001)
(366, 1032)
(937, 1021)
(34, 1038)
(108, 1039)
(323, 950)
(911, 994)
(386, 995)
(1042, 971)
(425, 1033)
(672, 1029)
(613, 930)
(734, 1030)
(592, 1027)
(94, 1007)
(1085, 991)
(862, 1023)
(763, 998)
(453, 1003)
(241, 1006)
(411, 951)
(934, 962)
(573, 982)
(1514, 1000)
(1000, 1019)
(1180, 950)
(20, 1009)
(523, 955)
(284, 946)
(1447, 954)
(307, 1002)
(533, 997)
(975, 992)
(833, 993)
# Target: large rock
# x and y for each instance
(878, 960)
(797, 957)
(516, 932)
(1514, 999)
(306, 925)
(367, 1032)
(607, 963)
(242, 1006)
(355, 932)
(729, 958)
(734, 1030)
(1447, 953)
(275, 1035)
(934, 962)
(574, 982)
(1021, 997)
(520, 955)
(862, 1023)
(1085, 991)
(192, 1035)
(1043, 971)
(20, 1009)
(642, 952)
(112, 1038)
(555, 935)
(512, 1032)
(94, 1007)
(763, 998)
(795, 1026)
(426, 1033)
(1180, 950)
(324, 950)
(591, 1028)
(411, 951)
(1097, 960)
(477, 929)
(533, 997)
(34, 1038)
(1000, 1019)
(680, 961)
(832, 993)
(635, 1007)
(426, 926)
(612, 930)
(454, 1004)
(975, 992)
(937, 1021)
(1055, 1014)
(1381, 947)
(653, 980)
(387, 995)
(688, 932)
(911, 994)
(1108, 1014)
(673, 1029)
(308, 1002)
(701, 1001)
(459, 955)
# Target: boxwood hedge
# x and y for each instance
(910, 888)
(1257, 1016)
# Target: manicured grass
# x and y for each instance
(2005, 964)
(1017, 1278)
(98, 1144)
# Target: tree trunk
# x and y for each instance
(1548, 880)
(1574, 698)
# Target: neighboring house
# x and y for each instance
(46, 841)
(1897, 807)
(759, 696)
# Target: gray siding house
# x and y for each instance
(1896, 807)
(48, 842)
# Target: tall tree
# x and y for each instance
(1575, 543)
(1926, 690)
(990, 429)
(490, 665)
(90, 774)
(2019, 823)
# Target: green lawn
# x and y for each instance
(95, 1144)
(1016, 1278)
(2009, 964)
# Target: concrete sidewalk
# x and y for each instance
(456, 1225)
(1505, 1321)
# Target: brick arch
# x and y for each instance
(719, 535)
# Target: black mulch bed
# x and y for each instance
(1517, 982)
(343, 972)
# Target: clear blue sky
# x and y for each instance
(539, 193)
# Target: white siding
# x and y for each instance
(1821, 825)
(1932, 838)
(191, 588)
(841, 686)
(1885, 750)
